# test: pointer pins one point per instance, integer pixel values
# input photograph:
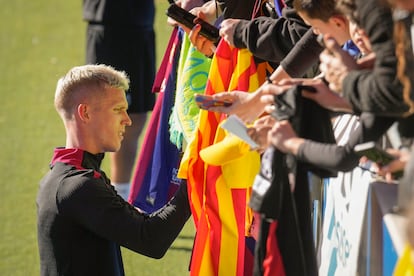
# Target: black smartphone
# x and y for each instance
(307, 88)
(373, 153)
(190, 20)
(207, 101)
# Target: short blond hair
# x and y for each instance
(86, 81)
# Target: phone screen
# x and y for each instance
(206, 101)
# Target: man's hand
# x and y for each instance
(227, 28)
(325, 97)
(269, 90)
(247, 106)
(401, 159)
(366, 62)
(205, 12)
(284, 138)
(259, 131)
(335, 64)
(201, 43)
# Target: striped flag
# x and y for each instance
(219, 184)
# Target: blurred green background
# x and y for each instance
(39, 41)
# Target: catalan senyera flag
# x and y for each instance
(220, 169)
(405, 264)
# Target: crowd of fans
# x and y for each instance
(353, 58)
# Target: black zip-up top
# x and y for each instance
(82, 222)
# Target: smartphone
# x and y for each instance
(307, 88)
(190, 20)
(373, 153)
(207, 101)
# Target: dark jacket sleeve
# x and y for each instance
(96, 207)
(270, 39)
(240, 9)
(343, 158)
(378, 90)
(303, 55)
(165, 224)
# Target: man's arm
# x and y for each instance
(270, 39)
(96, 207)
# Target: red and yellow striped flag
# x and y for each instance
(219, 184)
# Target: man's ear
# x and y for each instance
(339, 20)
(83, 112)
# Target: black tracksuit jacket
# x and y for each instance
(82, 221)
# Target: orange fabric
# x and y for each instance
(220, 210)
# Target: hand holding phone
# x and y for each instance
(373, 153)
(207, 101)
(190, 20)
(377, 155)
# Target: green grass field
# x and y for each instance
(39, 41)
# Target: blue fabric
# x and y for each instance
(160, 177)
(351, 48)
(278, 7)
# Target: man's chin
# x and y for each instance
(113, 149)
